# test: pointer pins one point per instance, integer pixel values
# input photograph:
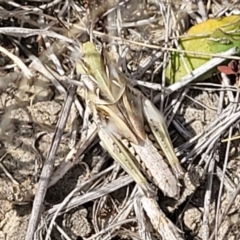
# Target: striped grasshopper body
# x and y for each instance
(121, 113)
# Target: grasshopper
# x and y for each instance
(121, 112)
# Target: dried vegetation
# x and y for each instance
(89, 196)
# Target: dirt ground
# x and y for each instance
(29, 113)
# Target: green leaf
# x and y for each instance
(222, 39)
(211, 36)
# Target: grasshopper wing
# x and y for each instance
(116, 123)
(133, 113)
